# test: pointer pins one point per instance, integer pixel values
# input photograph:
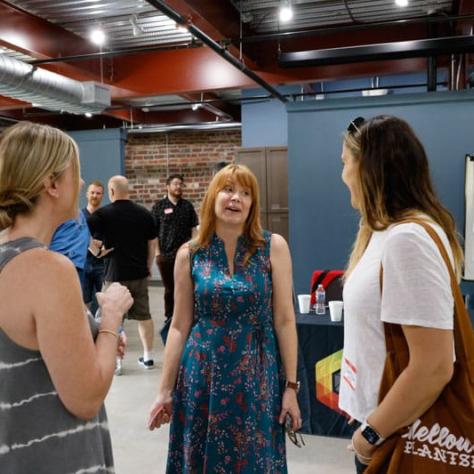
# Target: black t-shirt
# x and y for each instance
(174, 224)
(126, 227)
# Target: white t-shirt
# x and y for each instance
(416, 291)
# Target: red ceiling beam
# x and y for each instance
(7, 103)
(464, 7)
(201, 70)
(176, 72)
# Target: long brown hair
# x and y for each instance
(242, 175)
(394, 182)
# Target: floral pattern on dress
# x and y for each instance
(229, 388)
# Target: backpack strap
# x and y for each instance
(463, 332)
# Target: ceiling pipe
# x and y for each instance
(378, 52)
(115, 52)
(49, 90)
(216, 47)
(175, 127)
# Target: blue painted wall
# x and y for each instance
(265, 123)
(102, 155)
(322, 223)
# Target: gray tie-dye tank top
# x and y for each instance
(37, 434)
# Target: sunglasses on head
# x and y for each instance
(293, 435)
(355, 125)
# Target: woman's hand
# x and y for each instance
(114, 302)
(160, 412)
(290, 406)
(361, 447)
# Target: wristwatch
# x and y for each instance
(371, 435)
(294, 385)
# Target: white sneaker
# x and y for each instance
(147, 364)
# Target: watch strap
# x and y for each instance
(371, 434)
(293, 385)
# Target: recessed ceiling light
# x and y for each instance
(286, 12)
(401, 3)
(88, 114)
(97, 36)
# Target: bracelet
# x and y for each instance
(108, 331)
(293, 385)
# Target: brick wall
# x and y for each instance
(148, 158)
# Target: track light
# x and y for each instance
(286, 11)
(401, 3)
(97, 36)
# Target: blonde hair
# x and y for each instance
(394, 183)
(242, 175)
(29, 153)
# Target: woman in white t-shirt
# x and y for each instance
(386, 171)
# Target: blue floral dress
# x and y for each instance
(229, 388)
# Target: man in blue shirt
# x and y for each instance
(72, 240)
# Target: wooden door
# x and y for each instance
(255, 159)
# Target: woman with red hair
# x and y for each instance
(229, 374)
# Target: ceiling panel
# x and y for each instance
(126, 23)
(262, 15)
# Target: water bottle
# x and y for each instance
(320, 306)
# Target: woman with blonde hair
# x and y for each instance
(395, 275)
(54, 371)
(229, 374)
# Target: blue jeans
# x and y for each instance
(360, 468)
(92, 283)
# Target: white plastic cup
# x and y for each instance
(303, 303)
(335, 310)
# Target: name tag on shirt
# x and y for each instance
(169, 210)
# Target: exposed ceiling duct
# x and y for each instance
(49, 90)
(177, 127)
(378, 52)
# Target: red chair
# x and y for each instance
(332, 284)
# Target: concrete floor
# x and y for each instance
(139, 451)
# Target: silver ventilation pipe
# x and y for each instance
(184, 127)
(49, 90)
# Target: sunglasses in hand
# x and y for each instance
(293, 435)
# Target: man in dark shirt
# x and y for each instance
(176, 222)
(94, 269)
(129, 230)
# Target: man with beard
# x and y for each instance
(176, 222)
(94, 268)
